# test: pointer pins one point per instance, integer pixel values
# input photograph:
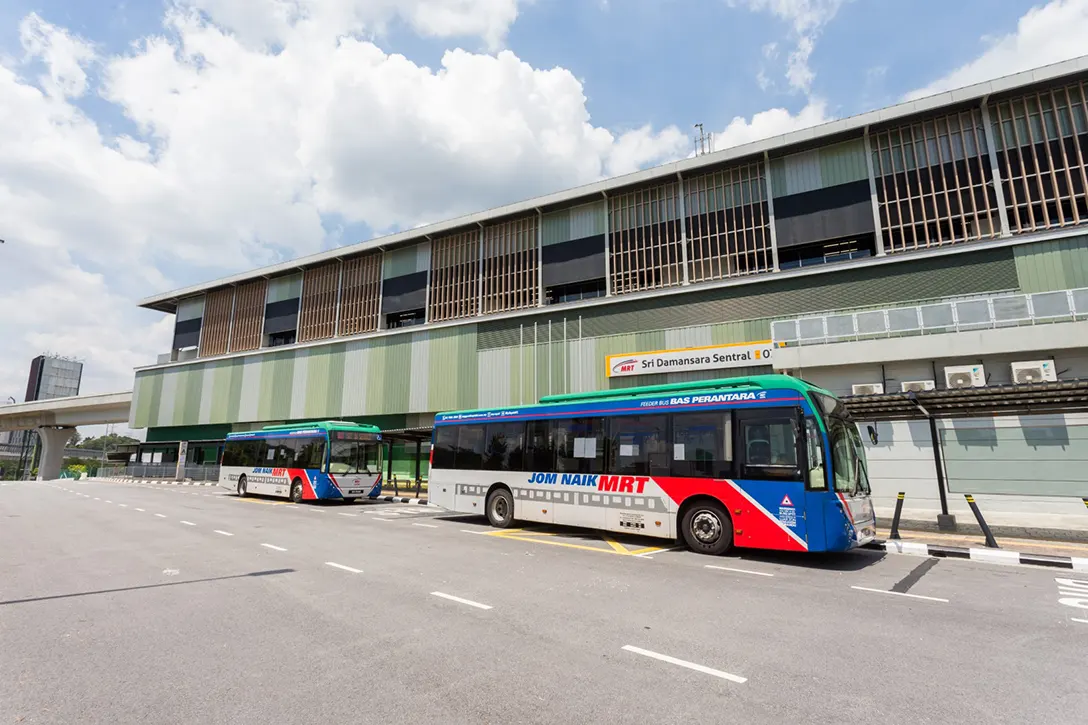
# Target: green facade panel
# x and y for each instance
(1054, 265)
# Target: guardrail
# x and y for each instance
(161, 471)
(979, 313)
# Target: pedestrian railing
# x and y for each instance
(975, 313)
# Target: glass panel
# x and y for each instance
(840, 326)
(1050, 304)
(1080, 301)
(445, 447)
(639, 445)
(310, 453)
(539, 452)
(579, 445)
(903, 318)
(505, 445)
(470, 447)
(937, 316)
(811, 328)
(973, 313)
(784, 330)
(1011, 308)
(702, 445)
(769, 446)
(871, 323)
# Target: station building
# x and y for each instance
(941, 242)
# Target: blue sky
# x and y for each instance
(152, 145)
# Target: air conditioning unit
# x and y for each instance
(965, 376)
(867, 389)
(1034, 371)
(917, 386)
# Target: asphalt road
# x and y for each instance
(169, 604)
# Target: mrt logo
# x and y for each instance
(622, 484)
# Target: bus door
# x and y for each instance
(771, 470)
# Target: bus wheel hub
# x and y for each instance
(706, 527)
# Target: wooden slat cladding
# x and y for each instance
(934, 183)
(727, 223)
(644, 239)
(1042, 146)
(317, 318)
(215, 330)
(360, 295)
(248, 315)
(510, 265)
(455, 276)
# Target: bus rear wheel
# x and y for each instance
(296, 491)
(500, 508)
(707, 528)
(242, 485)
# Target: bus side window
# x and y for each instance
(702, 445)
(505, 446)
(768, 444)
(639, 445)
(445, 446)
(579, 445)
(470, 447)
(817, 474)
(539, 449)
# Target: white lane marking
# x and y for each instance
(428, 526)
(273, 547)
(469, 602)
(139, 509)
(345, 568)
(351, 515)
(224, 533)
(188, 523)
(123, 505)
(739, 571)
(683, 663)
(647, 555)
(1082, 621)
(468, 531)
(161, 516)
(97, 499)
(108, 501)
(378, 518)
(901, 594)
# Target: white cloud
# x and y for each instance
(250, 132)
(1046, 34)
(772, 122)
(64, 55)
(806, 19)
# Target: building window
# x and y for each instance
(574, 292)
(281, 338)
(405, 319)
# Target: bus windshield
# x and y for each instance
(348, 457)
(851, 470)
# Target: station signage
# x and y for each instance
(713, 357)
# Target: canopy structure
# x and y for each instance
(1066, 396)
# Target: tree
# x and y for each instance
(73, 440)
(108, 442)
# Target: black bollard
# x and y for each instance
(991, 543)
(895, 519)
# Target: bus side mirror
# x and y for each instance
(873, 437)
(817, 481)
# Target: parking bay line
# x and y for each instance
(345, 568)
(1082, 621)
(683, 663)
(161, 516)
(428, 526)
(900, 594)
(224, 533)
(459, 600)
(738, 571)
(273, 547)
(188, 523)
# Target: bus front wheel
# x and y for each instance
(296, 491)
(500, 508)
(707, 528)
(242, 485)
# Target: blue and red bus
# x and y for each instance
(768, 462)
(331, 460)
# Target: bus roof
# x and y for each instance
(325, 425)
(724, 385)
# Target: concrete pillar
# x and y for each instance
(52, 460)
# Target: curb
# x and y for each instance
(989, 556)
(402, 499)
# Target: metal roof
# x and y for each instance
(794, 141)
(1065, 396)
